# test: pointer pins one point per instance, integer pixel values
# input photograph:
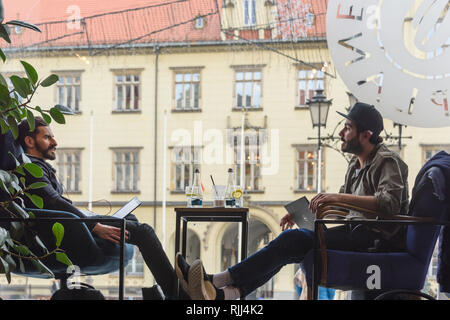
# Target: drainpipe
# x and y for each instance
(156, 139)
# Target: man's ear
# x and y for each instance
(365, 135)
(29, 142)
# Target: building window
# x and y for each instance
(68, 90)
(126, 170)
(127, 91)
(249, 13)
(68, 163)
(199, 23)
(187, 90)
(136, 265)
(309, 80)
(185, 160)
(252, 159)
(306, 168)
(248, 89)
(429, 151)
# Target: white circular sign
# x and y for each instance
(394, 54)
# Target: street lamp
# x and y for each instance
(318, 108)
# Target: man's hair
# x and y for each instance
(24, 130)
(372, 139)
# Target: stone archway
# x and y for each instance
(259, 235)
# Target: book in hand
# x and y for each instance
(300, 213)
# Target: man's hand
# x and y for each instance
(323, 198)
(286, 222)
(109, 233)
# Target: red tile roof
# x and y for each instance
(109, 22)
(116, 22)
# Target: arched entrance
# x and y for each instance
(259, 235)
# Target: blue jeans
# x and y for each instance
(291, 246)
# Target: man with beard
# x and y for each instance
(376, 179)
(40, 145)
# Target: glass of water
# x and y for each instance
(188, 192)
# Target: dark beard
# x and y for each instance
(352, 146)
(46, 152)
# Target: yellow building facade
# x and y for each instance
(128, 103)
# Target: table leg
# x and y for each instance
(244, 240)
(184, 238)
(177, 234)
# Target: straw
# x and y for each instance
(214, 185)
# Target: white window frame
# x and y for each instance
(67, 91)
(66, 169)
(120, 183)
(127, 80)
(302, 165)
(308, 80)
(249, 10)
(185, 159)
(252, 159)
(190, 79)
(248, 78)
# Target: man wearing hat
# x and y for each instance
(376, 179)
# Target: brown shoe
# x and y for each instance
(182, 270)
(198, 287)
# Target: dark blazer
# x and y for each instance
(441, 187)
(52, 194)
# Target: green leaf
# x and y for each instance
(5, 98)
(23, 250)
(2, 55)
(4, 126)
(24, 25)
(37, 200)
(62, 257)
(57, 115)
(14, 158)
(30, 119)
(11, 262)
(46, 117)
(19, 170)
(3, 187)
(20, 86)
(4, 33)
(19, 210)
(31, 72)
(3, 236)
(64, 110)
(58, 232)
(21, 266)
(42, 267)
(4, 268)
(40, 243)
(3, 80)
(34, 170)
(50, 80)
(13, 126)
(37, 185)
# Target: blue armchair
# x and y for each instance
(404, 272)
(92, 256)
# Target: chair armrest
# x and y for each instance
(322, 210)
(331, 209)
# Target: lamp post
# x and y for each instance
(318, 108)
